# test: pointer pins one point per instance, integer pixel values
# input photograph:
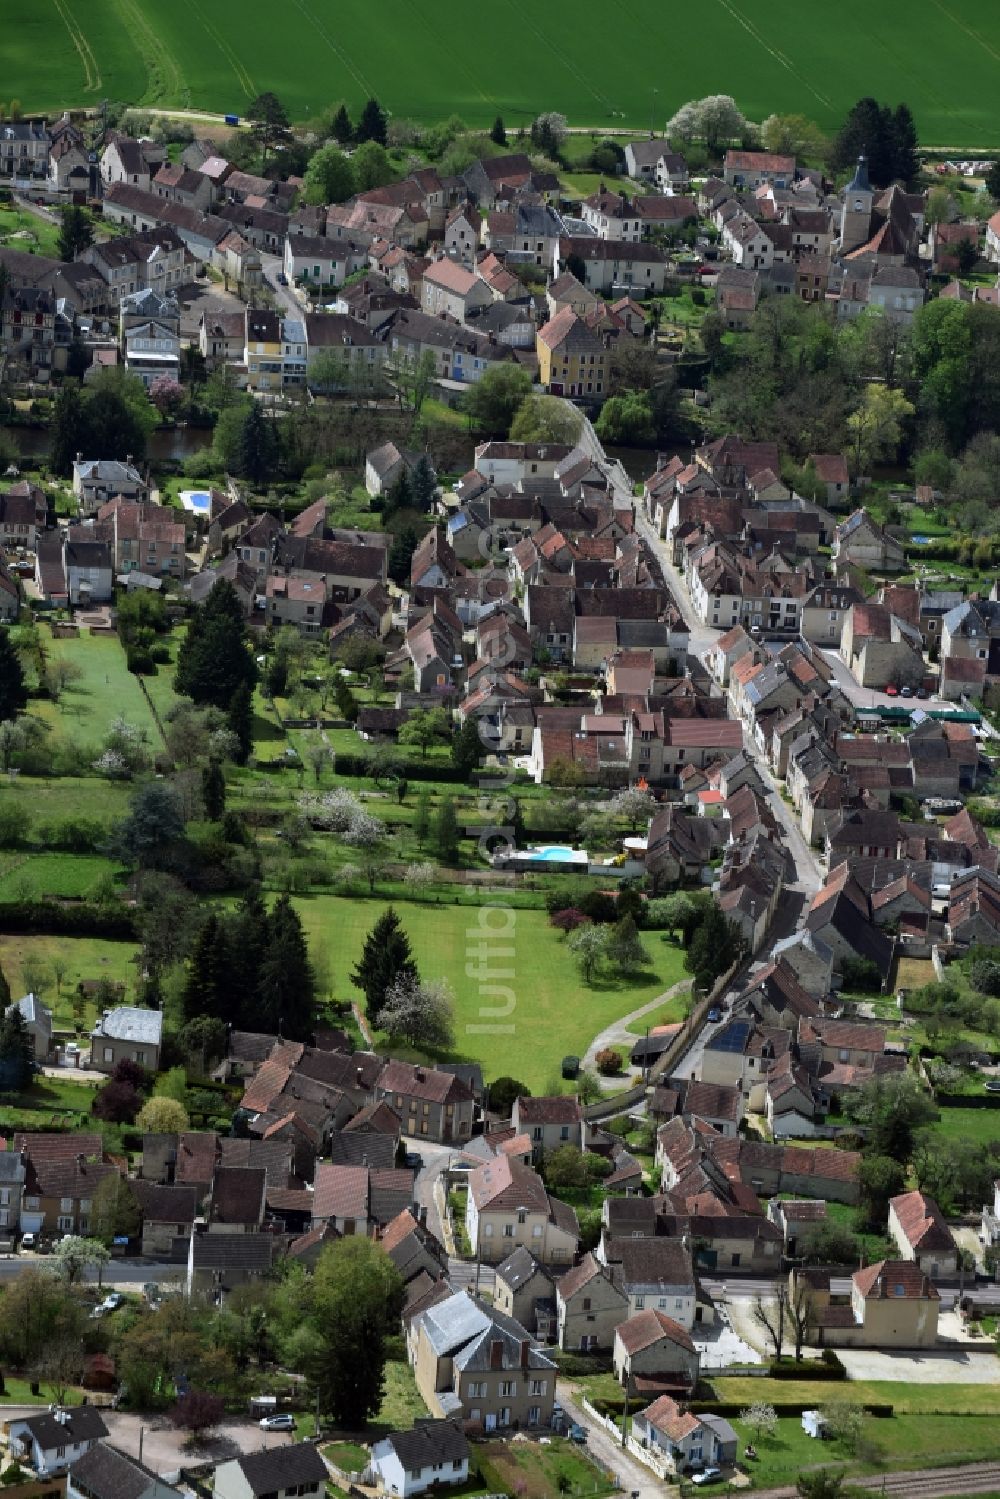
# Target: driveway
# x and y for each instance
(631, 1474)
(932, 1367)
(867, 697)
(623, 1033)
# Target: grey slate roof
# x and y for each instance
(283, 1468)
(127, 1023)
(105, 1472)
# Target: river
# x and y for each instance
(166, 444)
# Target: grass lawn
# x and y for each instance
(402, 1402)
(535, 1472)
(44, 799)
(28, 232)
(980, 1126)
(906, 1441)
(85, 958)
(104, 691)
(23, 875)
(527, 1010)
(907, 1398)
(350, 1457)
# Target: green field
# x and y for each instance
(104, 690)
(553, 1012)
(428, 62)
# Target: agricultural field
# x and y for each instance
(428, 61)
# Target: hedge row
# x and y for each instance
(968, 1101)
(731, 1408)
(66, 919)
(823, 1368)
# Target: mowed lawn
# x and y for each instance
(907, 1441)
(520, 1005)
(980, 1126)
(85, 958)
(105, 690)
(432, 60)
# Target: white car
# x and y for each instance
(707, 1475)
(27, 1241)
(284, 1422)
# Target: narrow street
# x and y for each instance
(634, 1477)
(808, 875)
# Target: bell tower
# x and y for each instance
(856, 214)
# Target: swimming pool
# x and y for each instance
(921, 541)
(198, 501)
(555, 853)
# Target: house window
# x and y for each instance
(508, 1388)
(536, 1387)
(508, 1230)
(640, 1302)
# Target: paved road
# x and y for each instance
(632, 1475)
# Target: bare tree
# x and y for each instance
(60, 1366)
(770, 1314)
(801, 1316)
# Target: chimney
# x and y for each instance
(496, 1354)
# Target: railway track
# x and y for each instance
(932, 1483)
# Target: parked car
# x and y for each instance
(715, 1015)
(282, 279)
(892, 690)
(577, 1434)
(113, 1301)
(922, 692)
(413, 1160)
(707, 1475)
(992, 1085)
(283, 1422)
(906, 692)
(27, 1241)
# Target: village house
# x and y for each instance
(525, 1290)
(97, 481)
(672, 1439)
(572, 360)
(106, 1472)
(918, 1229)
(285, 1472)
(652, 1351)
(51, 1440)
(589, 1306)
(432, 1104)
(507, 1206)
(126, 1033)
(432, 1454)
(548, 1123)
(480, 1365)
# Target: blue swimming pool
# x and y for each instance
(199, 501)
(558, 853)
(921, 541)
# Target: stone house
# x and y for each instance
(589, 1306)
(652, 1350)
(476, 1363)
(917, 1226)
(127, 1034)
(525, 1290)
(507, 1206)
(548, 1123)
(432, 1105)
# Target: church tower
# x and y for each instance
(856, 214)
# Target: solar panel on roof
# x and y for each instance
(732, 1038)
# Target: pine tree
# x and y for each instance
(246, 944)
(906, 167)
(66, 433)
(76, 233)
(498, 134)
(240, 720)
(714, 948)
(372, 124)
(342, 130)
(13, 692)
(423, 484)
(257, 446)
(399, 495)
(214, 659)
(385, 958)
(286, 990)
(422, 817)
(16, 1052)
(446, 832)
(213, 790)
(203, 986)
(401, 555)
(467, 747)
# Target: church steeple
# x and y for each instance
(859, 183)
